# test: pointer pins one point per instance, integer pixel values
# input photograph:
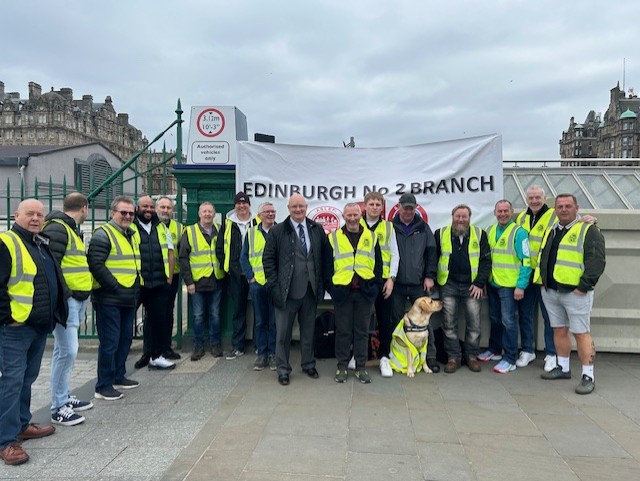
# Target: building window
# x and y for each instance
(42, 118)
(625, 125)
(8, 119)
(611, 144)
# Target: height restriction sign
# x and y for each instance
(213, 134)
(210, 122)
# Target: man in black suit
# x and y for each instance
(296, 259)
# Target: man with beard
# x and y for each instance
(464, 266)
(164, 210)
(418, 265)
(156, 255)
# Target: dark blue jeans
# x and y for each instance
(115, 332)
(21, 350)
(264, 316)
(504, 328)
(201, 303)
(526, 316)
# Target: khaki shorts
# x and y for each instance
(568, 309)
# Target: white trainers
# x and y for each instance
(352, 363)
(525, 358)
(550, 362)
(385, 367)
(161, 363)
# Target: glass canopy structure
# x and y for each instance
(596, 187)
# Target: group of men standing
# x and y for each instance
(548, 257)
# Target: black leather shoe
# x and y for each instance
(433, 365)
(312, 373)
(283, 379)
(143, 361)
(171, 354)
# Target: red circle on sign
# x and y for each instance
(419, 210)
(210, 122)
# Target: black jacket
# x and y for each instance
(417, 249)
(459, 265)
(278, 259)
(110, 291)
(41, 317)
(152, 263)
(58, 240)
(369, 288)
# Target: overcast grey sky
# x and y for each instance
(317, 72)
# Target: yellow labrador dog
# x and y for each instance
(409, 340)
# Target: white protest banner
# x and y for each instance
(441, 175)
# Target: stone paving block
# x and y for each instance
(496, 418)
(433, 426)
(247, 422)
(483, 388)
(578, 436)
(517, 458)
(319, 455)
(80, 461)
(167, 433)
(628, 405)
(546, 404)
(219, 465)
(310, 420)
(262, 476)
(233, 439)
(444, 462)
(599, 469)
(340, 395)
(379, 417)
(611, 419)
(630, 442)
(141, 461)
(35, 468)
(186, 365)
(383, 441)
(382, 467)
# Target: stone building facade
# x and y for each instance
(616, 135)
(55, 118)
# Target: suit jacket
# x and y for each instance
(278, 259)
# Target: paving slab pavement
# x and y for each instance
(220, 420)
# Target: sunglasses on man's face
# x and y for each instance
(125, 213)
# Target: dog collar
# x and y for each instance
(413, 326)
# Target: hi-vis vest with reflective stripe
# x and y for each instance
(228, 225)
(175, 229)
(256, 241)
(535, 235)
(202, 258)
(344, 260)
(383, 232)
(505, 264)
(23, 272)
(163, 232)
(569, 265)
(124, 257)
(475, 233)
(74, 265)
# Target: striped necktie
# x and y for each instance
(303, 238)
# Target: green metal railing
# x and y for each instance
(55, 192)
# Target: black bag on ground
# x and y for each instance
(324, 337)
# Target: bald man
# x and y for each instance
(297, 263)
(32, 300)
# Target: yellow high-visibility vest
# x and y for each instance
(537, 233)
(74, 265)
(446, 249)
(23, 272)
(569, 265)
(124, 257)
(345, 262)
(256, 248)
(383, 232)
(505, 264)
(163, 234)
(202, 257)
(175, 229)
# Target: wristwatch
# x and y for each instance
(393, 278)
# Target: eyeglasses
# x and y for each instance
(125, 213)
(268, 212)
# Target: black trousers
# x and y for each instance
(352, 327)
(239, 293)
(410, 292)
(385, 323)
(157, 324)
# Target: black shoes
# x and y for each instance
(143, 361)
(433, 365)
(283, 379)
(171, 354)
(312, 372)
